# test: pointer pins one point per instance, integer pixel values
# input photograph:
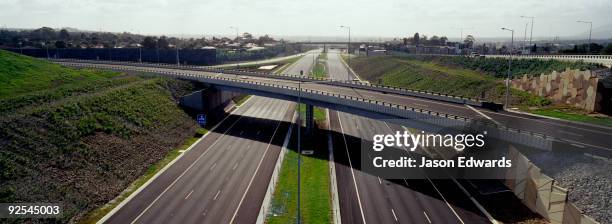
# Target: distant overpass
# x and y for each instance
(422, 110)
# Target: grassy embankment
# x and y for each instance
(319, 70)
(315, 182)
(80, 137)
(471, 77)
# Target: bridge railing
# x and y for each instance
(344, 83)
(532, 139)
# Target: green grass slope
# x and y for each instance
(435, 76)
(80, 137)
(20, 74)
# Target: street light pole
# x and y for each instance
(348, 72)
(299, 148)
(530, 35)
(525, 39)
(509, 68)
(461, 32)
(238, 48)
(139, 49)
(590, 30)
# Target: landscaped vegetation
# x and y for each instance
(433, 76)
(472, 77)
(80, 137)
(498, 67)
(315, 195)
(320, 70)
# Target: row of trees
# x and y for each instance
(65, 38)
(423, 40)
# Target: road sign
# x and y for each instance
(202, 119)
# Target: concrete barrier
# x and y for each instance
(540, 193)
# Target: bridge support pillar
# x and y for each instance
(309, 119)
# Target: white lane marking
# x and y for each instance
(352, 171)
(570, 133)
(550, 123)
(585, 144)
(577, 145)
(445, 201)
(257, 169)
(394, 216)
(183, 173)
(482, 114)
(432, 184)
(216, 195)
(379, 181)
(188, 194)
(235, 166)
(213, 166)
(425, 213)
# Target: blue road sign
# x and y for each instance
(202, 119)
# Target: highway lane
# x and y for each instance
(225, 176)
(568, 133)
(213, 188)
(365, 198)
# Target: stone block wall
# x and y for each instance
(574, 87)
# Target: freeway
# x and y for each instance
(567, 135)
(365, 198)
(223, 178)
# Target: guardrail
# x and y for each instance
(349, 83)
(568, 56)
(439, 119)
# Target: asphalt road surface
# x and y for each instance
(365, 198)
(222, 179)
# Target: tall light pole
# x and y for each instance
(299, 150)
(525, 39)
(238, 48)
(509, 68)
(348, 72)
(461, 32)
(590, 30)
(530, 35)
(139, 49)
(178, 62)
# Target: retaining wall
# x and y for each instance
(541, 193)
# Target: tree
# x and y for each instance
(149, 43)
(416, 39)
(434, 40)
(163, 42)
(64, 35)
(469, 41)
(607, 50)
(443, 40)
(60, 44)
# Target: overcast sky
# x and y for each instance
(380, 18)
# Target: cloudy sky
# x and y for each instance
(380, 18)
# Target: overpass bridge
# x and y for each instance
(433, 113)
